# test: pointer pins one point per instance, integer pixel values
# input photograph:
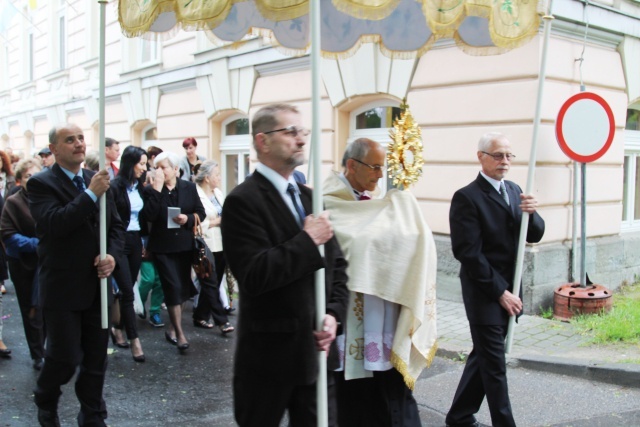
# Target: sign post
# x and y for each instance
(584, 129)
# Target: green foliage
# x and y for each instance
(621, 324)
(546, 313)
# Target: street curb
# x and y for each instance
(622, 374)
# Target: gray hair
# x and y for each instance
(53, 132)
(265, 118)
(357, 149)
(205, 170)
(24, 165)
(172, 158)
(488, 138)
(92, 161)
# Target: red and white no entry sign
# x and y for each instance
(585, 127)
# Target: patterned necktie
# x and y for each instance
(296, 205)
(503, 193)
(79, 182)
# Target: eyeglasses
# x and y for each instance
(291, 131)
(376, 168)
(499, 156)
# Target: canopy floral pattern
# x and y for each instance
(403, 28)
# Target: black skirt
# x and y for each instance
(174, 270)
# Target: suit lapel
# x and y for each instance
(493, 195)
(275, 199)
(64, 183)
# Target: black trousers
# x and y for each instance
(125, 276)
(383, 400)
(262, 403)
(34, 331)
(209, 304)
(75, 339)
(485, 374)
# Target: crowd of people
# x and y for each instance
(378, 325)
(57, 212)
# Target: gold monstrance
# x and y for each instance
(404, 156)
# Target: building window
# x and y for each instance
(148, 51)
(631, 175)
(633, 120)
(235, 146)
(376, 118)
(373, 121)
(62, 38)
(29, 60)
(4, 68)
(149, 136)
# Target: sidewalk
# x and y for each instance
(545, 345)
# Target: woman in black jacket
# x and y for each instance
(170, 205)
(127, 192)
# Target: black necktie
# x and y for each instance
(79, 182)
(503, 192)
(298, 208)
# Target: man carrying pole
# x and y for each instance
(62, 201)
(484, 219)
(271, 245)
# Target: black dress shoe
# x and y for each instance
(139, 359)
(37, 364)
(5, 353)
(173, 341)
(115, 341)
(182, 348)
(48, 418)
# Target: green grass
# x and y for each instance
(621, 324)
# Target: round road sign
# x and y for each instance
(585, 127)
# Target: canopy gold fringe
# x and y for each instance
(366, 9)
(511, 22)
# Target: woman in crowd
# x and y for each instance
(18, 231)
(149, 279)
(7, 182)
(127, 192)
(189, 162)
(171, 237)
(207, 181)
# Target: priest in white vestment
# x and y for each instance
(390, 331)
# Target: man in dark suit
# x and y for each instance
(271, 246)
(485, 219)
(63, 202)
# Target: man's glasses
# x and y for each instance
(499, 156)
(291, 131)
(376, 168)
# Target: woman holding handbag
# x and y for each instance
(170, 205)
(207, 181)
(127, 192)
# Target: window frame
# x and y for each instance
(380, 135)
(233, 145)
(632, 151)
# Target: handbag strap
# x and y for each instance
(197, 227)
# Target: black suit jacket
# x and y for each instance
(274, 262)
(67, 225)
(484, 238)
(171, 240)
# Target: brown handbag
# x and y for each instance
(202, 263)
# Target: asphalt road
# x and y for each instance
(195, 389)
